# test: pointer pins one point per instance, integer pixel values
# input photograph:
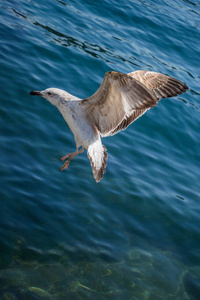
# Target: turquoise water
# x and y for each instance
(136, 234)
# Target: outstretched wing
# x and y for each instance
(117, 103)
(122, 98)
(162, 86)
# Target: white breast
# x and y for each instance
(83, 132)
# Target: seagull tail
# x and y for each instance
(98, 159)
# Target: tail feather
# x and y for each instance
(98, 158)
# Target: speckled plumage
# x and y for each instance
(119, 101)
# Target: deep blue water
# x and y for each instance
(136, 234)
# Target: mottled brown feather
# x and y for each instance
(118, 102)
(121, 98)
(127, 121)
(162, 86)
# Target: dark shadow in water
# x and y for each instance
(90, 49)
(93, 50)
(189, 103)
(190, 2)
(19, 14)
(63, 3)
(65, 40)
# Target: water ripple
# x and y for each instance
(62, 234)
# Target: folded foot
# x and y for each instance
(66, 156)
(70, 156)
(65, 166)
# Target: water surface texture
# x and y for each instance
(136, 234)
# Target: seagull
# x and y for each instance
(119, 101)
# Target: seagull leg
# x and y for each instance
(71, 155)
(66, 156)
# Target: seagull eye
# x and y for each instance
(49, 93)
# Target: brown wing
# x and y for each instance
(118, 102)
(161, 85)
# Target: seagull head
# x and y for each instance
(53, 95)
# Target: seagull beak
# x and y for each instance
(36, 93)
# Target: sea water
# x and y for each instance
(136, 234)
